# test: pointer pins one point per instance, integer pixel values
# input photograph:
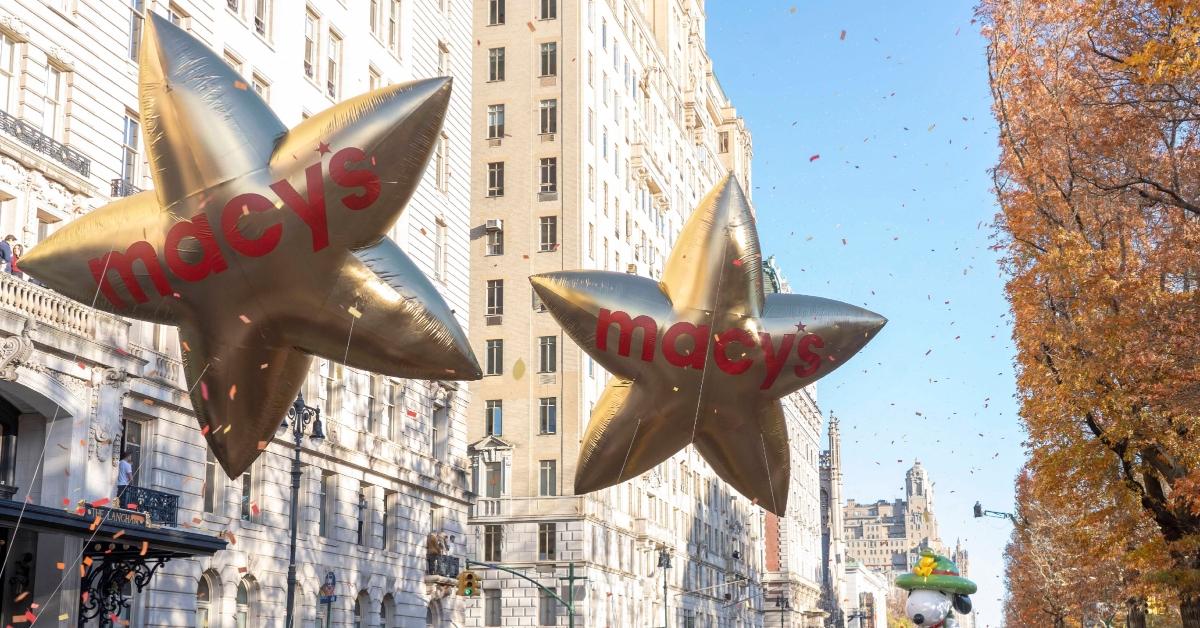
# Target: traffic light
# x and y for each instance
(468, 583)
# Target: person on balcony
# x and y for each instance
(17, 251)
(124, 476)
(6, 252)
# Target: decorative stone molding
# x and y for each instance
(61, 57)
(15, 27)
(115, 377)
(15, 351)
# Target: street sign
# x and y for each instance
(327, 590)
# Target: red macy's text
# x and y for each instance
(311, 210)
(774, 355)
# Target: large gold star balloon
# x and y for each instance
(265, 245)
(701, 357)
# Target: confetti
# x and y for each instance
(227, 428)
(814, 158)
(204, 390)
(145, 548)
(119, 534)
(245, 319)
(232, 391)
(204, 431)
(60, 566)
(240, 85)
(262, 366)
(354, 312)
(842, 37)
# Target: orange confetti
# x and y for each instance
(232, 391)
(204, 431)
(60, 566)
(145, 548)
(240, 85)
(21, 596)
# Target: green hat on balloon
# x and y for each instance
(935, 572)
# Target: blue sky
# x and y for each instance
(894, 214)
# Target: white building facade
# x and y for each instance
(78, 386)
(598, 127)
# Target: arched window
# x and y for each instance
(206, 588)
(387, 613)
(245, 614)
(433, 614)
(361, 606)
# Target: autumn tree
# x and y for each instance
(1098, 184)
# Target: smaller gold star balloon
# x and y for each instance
(265, 245)
(702, 357)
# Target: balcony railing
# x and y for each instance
(49, 307)
(446, 566)
(30, 136)
(122, 187)
(162, 508)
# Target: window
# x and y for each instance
(549, 9)
(245, 615)
(333, 74)
(548, 415)
(130, 159)
(495, 187)
(548, 239)
(493, 540)
(591, 183)
(204, 589)
(591, 70)
(495, 12)
(547, 478)
(233, 61)
(495, 122)
(262, 17)
(326, 499)
(591, 126)
(261, 86)
(178, 17)
(443, 58)
(394, 27)
(364, 514)
(548, 354)
(331, 387)
(548, 169)
(52, 117)
(374, 79)
(723, 142)
(249, 509)
(495, 64)
(8, 82)
(311, 32)
(133, 437)
(136, 8)
(548, 110)
(495, 297)
(387, 410)
(495, 238)
(373, 18)
(549, 59)
(389, 513)
(494, 480)
(495, 357)
(547, 540)
(491, 607)
(591, 242)
(441, 251)
(442, 163)
(361, 604)
(211, 477)
(546, 609)
(233, 5)
(493, 417)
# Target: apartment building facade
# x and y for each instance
(598, 126)
(78, 386)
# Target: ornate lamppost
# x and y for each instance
(300, 416)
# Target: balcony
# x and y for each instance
(55, 310)
(122, 188)
(41, 143)
(643, 163)
(566, 505)
(161, 509)
(441, 565)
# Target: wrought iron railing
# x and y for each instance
(30, 136)
(442, 565)
(122, 187)
(162, 508)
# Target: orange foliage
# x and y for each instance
(1099, 189)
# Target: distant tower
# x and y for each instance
(833, 531)
(918, 490)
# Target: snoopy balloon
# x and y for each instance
(935, 591)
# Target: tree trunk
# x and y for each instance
(1135, 616)
(1189, 610)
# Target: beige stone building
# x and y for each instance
(77, 386)
(598, 125)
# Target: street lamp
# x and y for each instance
(300, 416)
(664, 563)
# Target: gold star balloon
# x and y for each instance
(701, 357)
(265, 245)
